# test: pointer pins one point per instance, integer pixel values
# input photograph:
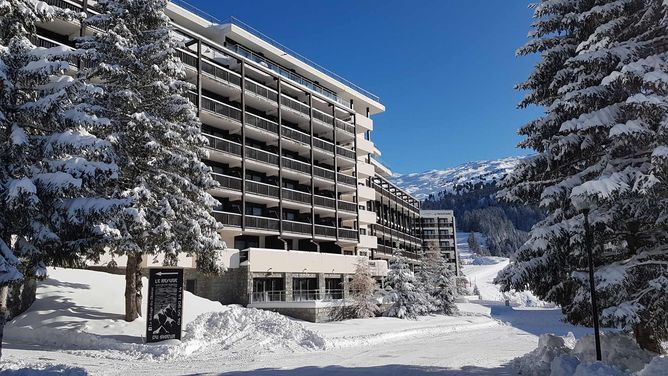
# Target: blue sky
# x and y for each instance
(444, 69)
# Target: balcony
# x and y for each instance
(345, 126)
(261, 223)
(323, 173)
(187, 58)
(346, 153)
(227, 182)
(297, 227)
(346, 206)
(323, 119)
(221, 144)
(323, 145)
(261, 156)
(221, 109)
(348, 234)
(295, 165)
(227, 219)
(295, 135)
(346, 179)
(295, 106)
(325, 231)
(71, 5)
(260, 91)
(296, 196)
(324, 202)
(219, 74)
(261, 123)
(261, 189)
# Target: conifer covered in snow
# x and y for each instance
(156, 134)
(363, 288)
(403, 290)
(439, 281)
(603, 155)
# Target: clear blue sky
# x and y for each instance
(444, 69)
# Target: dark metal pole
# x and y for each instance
(592, 287)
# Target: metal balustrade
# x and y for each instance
(187, 58)
(345, 152)
(222, 144)
(323, 118)
(262, 223)
(292, 195)
(261, 123)
(323, 145)
(348, 206)
(228, 219)
(345, 179)
(221, 74)
(227, 182)
(326, 231)
(324, 201)
(295, 105)
(75, 6)
(261, 189)
(261, 155)
(295, 165)
(323, 173)
(345, 126)
(260, 90)
(295, 135)
(347, 233)
(297, 227)
(222, 109)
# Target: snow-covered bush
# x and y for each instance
(363, 287)
(437, 281)
(402, 290)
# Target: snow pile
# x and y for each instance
(564, 356)
(526, 299)
(39, 369)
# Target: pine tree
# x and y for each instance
(53, 169)
(156, 133)
(472, 241)
(402, 290)
(440, 282)
(602, 158)
(363, 287)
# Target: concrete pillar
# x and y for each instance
(321, 285)
(346, 284)
(288, 286)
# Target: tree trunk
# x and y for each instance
(4, 295)
(646, 339)
(138, 285)
(132, 269)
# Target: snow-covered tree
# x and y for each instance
(156, 134)
(472, 241)
(53, 169)
(402, 289)
(439, 281)
(602, 157)
(363, 288)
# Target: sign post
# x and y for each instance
(165, 304)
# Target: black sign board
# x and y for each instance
(165, 304)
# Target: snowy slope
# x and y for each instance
(421, 185)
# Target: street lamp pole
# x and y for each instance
(592, 288)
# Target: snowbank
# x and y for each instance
(564, 356)
(81, 312)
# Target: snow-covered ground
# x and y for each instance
(76, 327)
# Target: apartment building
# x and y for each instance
(437, 229)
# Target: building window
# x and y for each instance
(191, 285)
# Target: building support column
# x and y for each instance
(243, 145)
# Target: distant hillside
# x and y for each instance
(470, 191)
(459, 178)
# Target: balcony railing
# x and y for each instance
(261, 156)
(323, 118)
(323, 145)
(297, 295)
(348, 206)
(295, 105)
(346, 179)
(227, 182)
(296, 227)
(296, 196)
(227, 219)
(222, 144)
(296, 165)
(261, 189)
(324, 201)
(347, 233)
(267, 296)
(323, 173)
(262, 223)
(221, 109)
(65, 5)
(345, 152)
(261, 90)
(345, 126)
(221, 74)
(296, 135)
(261, 123)
(326, 231)
(187, 58)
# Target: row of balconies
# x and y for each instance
(383, 232)
(391, 197)
(273, 224)
(387, 250)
